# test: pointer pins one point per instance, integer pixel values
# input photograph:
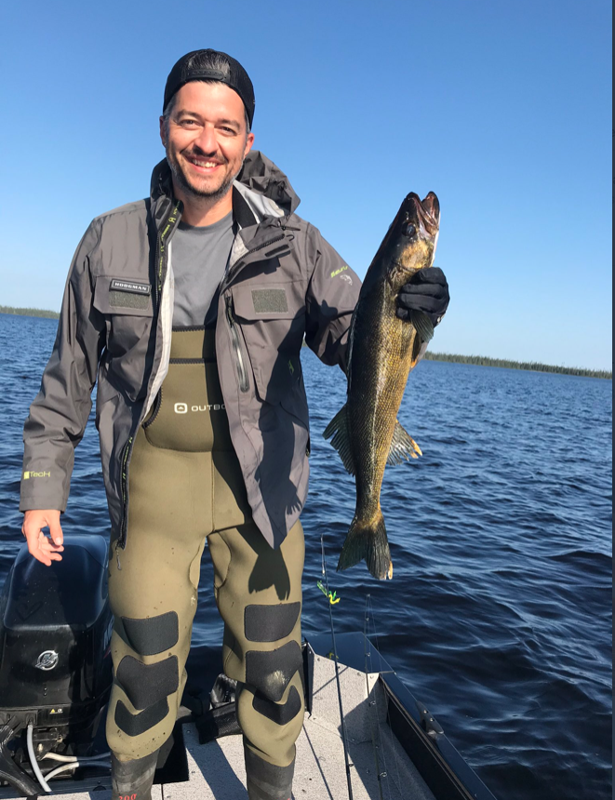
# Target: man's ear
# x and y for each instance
(163, 132)
(249, 143)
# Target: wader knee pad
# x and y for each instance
(147, 686)
(271, 729)
(269, 672)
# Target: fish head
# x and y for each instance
(410, 243)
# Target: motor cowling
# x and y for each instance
(55, 632)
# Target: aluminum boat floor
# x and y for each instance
(217, 768)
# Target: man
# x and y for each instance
(190, 309)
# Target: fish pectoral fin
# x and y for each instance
(423, 325)
(338, 429)
(403, 446)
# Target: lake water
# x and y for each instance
(499, 613)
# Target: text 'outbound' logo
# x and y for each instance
(184, 408)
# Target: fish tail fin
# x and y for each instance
(367, 539)
(338, 429)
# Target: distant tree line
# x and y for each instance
(29, 312)
(482, 361)
(535, 366)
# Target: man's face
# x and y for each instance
(205, 138)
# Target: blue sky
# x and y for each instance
(502, 108)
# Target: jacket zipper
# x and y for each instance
(244, 384)
(241, 369)
(127, 452)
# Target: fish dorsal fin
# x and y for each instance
(403, 446)
(338, 429)
(423, 325)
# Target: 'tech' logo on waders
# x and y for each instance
(28, 475)
(184, 408)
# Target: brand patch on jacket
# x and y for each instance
(27, 475)
(268, 300)
(130, 286)
(129, 294)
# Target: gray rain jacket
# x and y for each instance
(284, 282)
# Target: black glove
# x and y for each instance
(427, 291)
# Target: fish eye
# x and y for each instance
(409, 230)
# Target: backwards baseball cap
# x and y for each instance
(228, 71)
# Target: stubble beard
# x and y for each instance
(193, 191)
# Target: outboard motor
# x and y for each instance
(55, 661)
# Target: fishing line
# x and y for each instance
(369, 612)
(331, 598)
(368, 670)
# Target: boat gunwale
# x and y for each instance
(442, 767)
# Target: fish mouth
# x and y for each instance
(427, 211)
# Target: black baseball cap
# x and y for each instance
(235, 77)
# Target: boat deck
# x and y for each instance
(217, 768)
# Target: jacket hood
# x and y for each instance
(262, 184)
(261, 175)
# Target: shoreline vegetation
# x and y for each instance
(29, 312)
(482, 361)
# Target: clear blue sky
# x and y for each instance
(502, 107)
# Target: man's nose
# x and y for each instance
(207, 140)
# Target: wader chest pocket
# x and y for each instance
(189, 413)
(272, 321)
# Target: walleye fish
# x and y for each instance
(383, 350)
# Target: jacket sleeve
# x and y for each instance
(332, 294)
(60, 411)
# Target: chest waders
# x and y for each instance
(185, 488)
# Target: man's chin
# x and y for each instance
(204, 189)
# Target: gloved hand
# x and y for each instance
(427, 291)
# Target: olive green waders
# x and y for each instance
(185, 488)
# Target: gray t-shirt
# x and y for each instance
(200, 256)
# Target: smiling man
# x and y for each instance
(190, 309)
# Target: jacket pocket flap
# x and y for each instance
(272, 301)
(123, 296)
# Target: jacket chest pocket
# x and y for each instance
(272, 321)
(128, 309)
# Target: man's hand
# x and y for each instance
(427, 291)
(43, 548)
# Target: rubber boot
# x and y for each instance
(265, 780)
(132, 780)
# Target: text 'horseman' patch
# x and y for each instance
(130, 286)
(129, 294)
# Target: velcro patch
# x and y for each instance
(136, 724)
(152, 635)
(146, 684)
(121, 300)
(269, 300)
(268, 623)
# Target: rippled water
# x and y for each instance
(499, 613)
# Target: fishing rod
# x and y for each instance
(332, 601)
(369, 613)
(368, 670)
